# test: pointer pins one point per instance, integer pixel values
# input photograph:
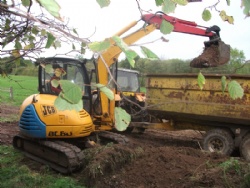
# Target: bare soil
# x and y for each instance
(166, 159)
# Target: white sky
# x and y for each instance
(100, 23)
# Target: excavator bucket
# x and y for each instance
(214, 54)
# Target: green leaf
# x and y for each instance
(7, 24)
(35, 30)
(158, 2)
(18, 45)
(119, 42)
(235, 90)
(201, 80)
(149, 53)
(166, 27)
(122, 119)
(181, 2)
(206, 15)
(52, 7)
(74, 30)
(103, 3)
(50, 40)
(70, 91)
(223, 83)
(109, 93)
(168, 6)
(99, 46)
(43, 32)
(57, 44)
(16, 53)
(223, 15)
(31, 38)
(26, 3)
(48, 68)
(29, 46)
(246, 5)
(62, 104)
(55, 83)
(131, 55)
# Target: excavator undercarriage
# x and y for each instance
(65, 155)
(59, 155)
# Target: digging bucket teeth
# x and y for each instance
(215, 53)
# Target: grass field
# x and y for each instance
(23, 86)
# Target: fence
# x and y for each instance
(10, 90)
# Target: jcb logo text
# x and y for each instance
(48, 110)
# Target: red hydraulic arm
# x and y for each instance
(180, 25)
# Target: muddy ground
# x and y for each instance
(156, 159)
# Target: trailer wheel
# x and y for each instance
(245, 148)
(219, 140)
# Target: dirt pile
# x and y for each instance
(213, 55)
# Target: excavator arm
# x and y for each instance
(215, 53)
(181, 26)
(220, 51)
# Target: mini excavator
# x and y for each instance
(56, 138)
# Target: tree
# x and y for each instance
(27, 30)
(237, 57)
(24, 33)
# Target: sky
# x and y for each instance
(97, 23)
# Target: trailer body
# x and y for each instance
(179, 97)
(178, 100)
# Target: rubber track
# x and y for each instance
(59, 155)
(120, 139)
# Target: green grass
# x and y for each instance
(9, 118)
(14, 174)
(23, 86)
(143, 89)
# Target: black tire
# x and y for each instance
(219, 140)
(245, 147)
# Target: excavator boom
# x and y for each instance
(215, 52)
(180, 25)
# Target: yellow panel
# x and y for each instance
(181, 94)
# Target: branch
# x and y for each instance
(43, 24)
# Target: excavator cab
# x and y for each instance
(128, 80)
(70, 69)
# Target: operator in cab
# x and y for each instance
(55, 80)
